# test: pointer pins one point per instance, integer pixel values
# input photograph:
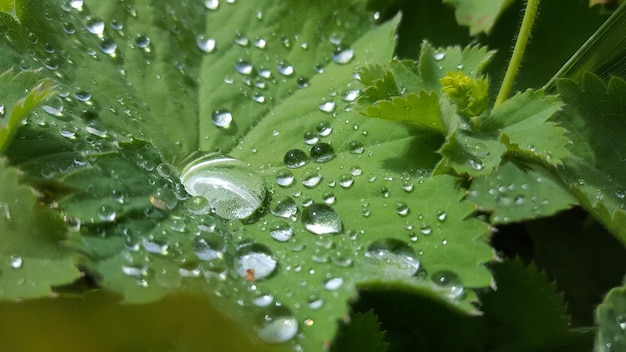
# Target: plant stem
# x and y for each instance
(518, 52)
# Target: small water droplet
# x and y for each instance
(260, 43)
(209, 248)
(16, 262)
(355, 147)
(396, 258)
(295, 158)
(241, 39)
(163, 198)
(281, 231)
(321, 219)
(221, 118)
(343, 56)
(208, 45)
(439, 55)
(351, 95)
(450, 281)
(278, 326)
(255, 262)
(328, 107)
(263, 300)
(322, 152)
(402, 209)
(285, 69)
(346, 181)
(107, 213)
(244, 67)
(302, 82)
(95, 26)
(441, 215)
(284, 207)
(142, 41)
(311, 177)
(475, 164)
(315, 303)
(311, 137)
(108, 46)
(233, 189)
(284, 177)
(333, 284)
(426, 229)
(212, 4)
(324, 128)
(329, 198)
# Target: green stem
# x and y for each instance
(518, 51)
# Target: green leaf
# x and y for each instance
(32, 258)
(611, 319)
(360, 333)
(537, 322)
(524, 129)
(21, 93)
(479, 16)
(512, 194)
(594, 115)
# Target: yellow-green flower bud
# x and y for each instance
(470, 95)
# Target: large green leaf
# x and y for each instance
(32, 258)
(594, 115)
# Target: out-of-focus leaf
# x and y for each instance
(611, 319)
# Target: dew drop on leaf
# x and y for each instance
(302, 82)
(263, 300)
(351, 95)
(212, 4)
(278, 325)
(402, 209)
(333, 284)
(450, 281)
(233, 189)
(327, 107)
(15, 262)
(142, 41)
(322, 152)
(285, 69)
(107, 213)
(244, 67)
(254, 262)
(95, 26)
(441, 215)
(207, 45)
(295, 158)
(343, 56)
(281, 231)
(163, 198)
(311, 137)
(355, 147)
(284, 177)
(321, 219)
(284, 207)
(394, 257)
(346, 181)
(209, 248)
(324, 128)
(311, 178)
(221, 118)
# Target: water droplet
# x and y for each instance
(278, 326)
(244, 67)
(258, 98)
(233, 189)
(255, 262)
(343, 56)
(396, 258)
(212, 4)
(450, 281)
(439, 55)
(295, 158)
(346, 181)
(620, 193)
(321, 219)
(302, 82)
(475, 164)
(76, 4)
(281, 231)
(355, 147)
(241, 39)
(322, 152)
(284, 177)
(441, 215)
(311, 137)
(263, 300)
(284, 207)
(333, 283)
(311, 177)
(328, 107)
(260, 43)
(209, 248)
(107, 213)
(402, 209)
(142, 41)
(315, 303)
(351, 95)
(329, 198)
(207, 45)
(426, 229)
(16, 262)
(163, 198)
(222, 118)
(108, 46)
(285, 69)
(324, 128)
(95, 26)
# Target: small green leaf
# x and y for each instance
(480, 16)
(595, 115)
(512, 194)
(525, 127)
(32, 257)
(21, 93)
(611, 320)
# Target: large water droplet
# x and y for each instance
(205, 44)
(277, 326)
(343, 56)
(333, 283)
(255, 262)
(396, 258)
(285, 69)
(233, 189)
(244, 67)
(321, 219)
